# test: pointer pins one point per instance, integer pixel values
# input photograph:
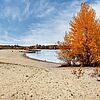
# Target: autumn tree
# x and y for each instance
(83, 39)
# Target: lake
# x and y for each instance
(45, 55)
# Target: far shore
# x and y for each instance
(22, 78)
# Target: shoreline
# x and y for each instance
(18, 57)
(39, 59)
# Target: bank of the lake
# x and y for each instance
(26, 79)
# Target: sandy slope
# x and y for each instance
(26, 79)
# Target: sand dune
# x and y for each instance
(25, 79)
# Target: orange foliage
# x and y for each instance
(83, 38)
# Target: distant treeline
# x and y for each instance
(37, 46)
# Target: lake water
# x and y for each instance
(45, 55)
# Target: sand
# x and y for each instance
(26, 79)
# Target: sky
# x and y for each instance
(29, 22)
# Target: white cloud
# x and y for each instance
(53, 29)
(50, 30)
(75, 3)
(42, 8)
(26, 11)
(96, 7)
(6, 38)
(15, 12)
(12, 13)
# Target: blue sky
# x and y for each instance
(29, 22)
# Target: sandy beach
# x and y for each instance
(26, 79)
